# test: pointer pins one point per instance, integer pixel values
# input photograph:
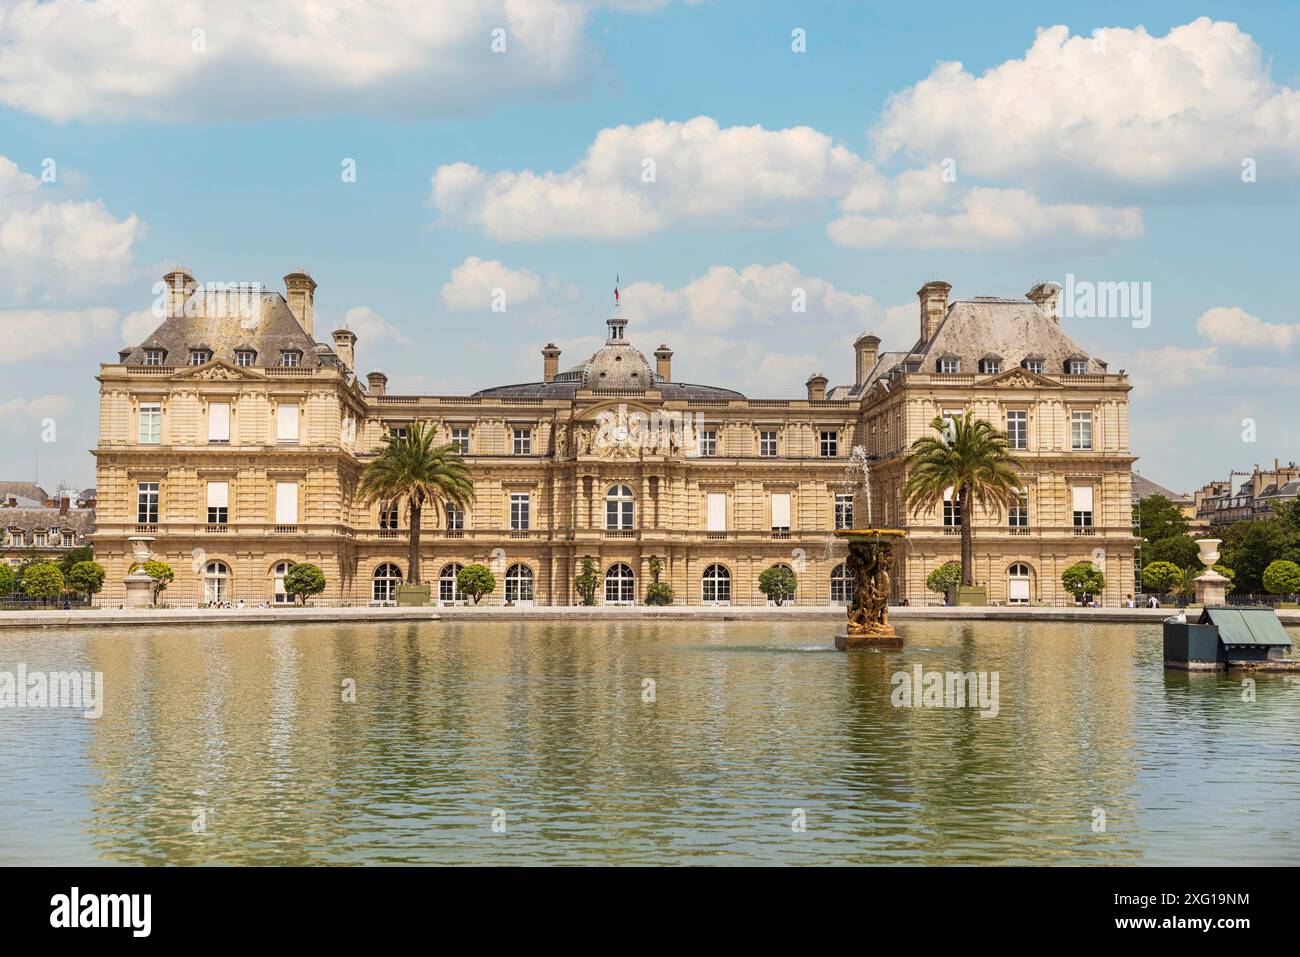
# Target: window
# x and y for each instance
(290, 358)
(1018, 513)
(1081, 430)
(69, 539)
(716, 585)
(1018, 428)
(219, 422)
(455, 517)
(1033, 365)
(717, 512)
(388, 515)
(146, 503)
(150, 423)
(519, 503)
(216, 583)
(519, 583)
(1082, 500)
(16, 538)
(841, 585)
(461, 438)
(218, 503)
(286, 422)
(199, 356)
(767, 443)
(523, 441)
(990, 366)
(618, 508)
(1076, 367)
(384, 582)
(620, 587)
(448, 588)
(843, 509)
(244, 357)
(278, 595)
(153, 357)
(949, 365)
(780, 511)
(397, 431)
(951, 510)
(830, 444)
(1018, 584)
(39, 539)
(286, 503)
(709, 442)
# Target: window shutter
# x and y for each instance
(780, 509)
(1082, 498)
(286, 503)
(218, 495)
(218, 421)
(717, 512)
(286, 423)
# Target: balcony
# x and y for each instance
(286, 529)
(620, 533)
(146, 529)
(215, 529)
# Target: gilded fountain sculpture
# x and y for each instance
(870, 566)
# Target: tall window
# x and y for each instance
(767, 443)
(618, 508)
(1082, 501)
(1018, 513)
(150, 423)
(1018, 579)
(830, 444)
(716, 585)
(146, 503)
(951, 510)
(448, 589)
(620, 587)
(780, 511)
(461, 438)
(286, 503)
(455, 517)
(278, 594)
(388, 515)
(519, 516)
(153, 357)
(219, 422)
(709, 442)
(843, 509)
(523, 441)
(384, 584)
(216, 583)
(717, 512)
(1018, 428)
(519, 583)
(218, 503)
(286, 422)
(1080, 430)
(841, 584)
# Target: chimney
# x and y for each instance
(816, 387)
(867, 348)
(63, 505)
(377, 382)
(1047, 296)
(664, 363)
(180, 286)
(302, 295)
(550, 362)
(345, 342)
(934, 306)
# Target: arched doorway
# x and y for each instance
(216, 583)
(1019, 584)
(519, 584)
(448, 589)
(841, 585)
(384, 584)
(716, 585)
(278, 595)
(620, 585)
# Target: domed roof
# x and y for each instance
(617, 365)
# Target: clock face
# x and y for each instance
(620, 433)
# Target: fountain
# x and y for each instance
(869, 564)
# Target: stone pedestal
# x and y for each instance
(139, 586)
(881, 641)
(1211, 587)
(869, 564)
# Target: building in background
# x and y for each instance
(40, 526)
(236, 441)
(1224, 502)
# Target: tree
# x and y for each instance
(973, 459)
(86, 577)
(659, 593)
(1249, 547)
(476, 581)
(304, 580)
(8, 580)
(1083, 580)
(1160, 577)
(586, 582)
(44, 581)
(1160, 518)
(1176, 550)
(1282, 578)
(410, 466)
(162, 576)
(83, 553)
(777, 583)
(943, 578)
(1227, 573)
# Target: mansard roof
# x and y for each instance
(1013, 328)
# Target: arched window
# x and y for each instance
(448, 590)
(717, 585)
(1018, 584)
(618, 507)
(841, 584)
(384, 587)
(620, 586)
(519, 583)
(216, 583)
(278, 595)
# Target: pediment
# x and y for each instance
(1020, 378)
(217, 370)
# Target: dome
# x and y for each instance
(617, 366)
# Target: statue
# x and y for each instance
(869, 564)
(561, 440)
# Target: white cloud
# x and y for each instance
(137, 326)
(185, 60)
(36, 333)
(33, 410)
(1122, 106)
(61, 248)
(374, 333)
(474, 285)
(1234, 326)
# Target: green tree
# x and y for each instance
(413, 468)
(8, 580)
(162, 576)
(304, 580)
(971, 457)
(1227, 573)
(44, 581)
(1160, 518)
(1083, 580)
(1249, 547)
(86, 577)
(476, 581)
(778, 584)
(1176, 550)
(1282, 578)
(1160, 577)
(83, 553)
(943, 578)
(587, 580)
(659, 593)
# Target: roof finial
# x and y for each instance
(616, 284)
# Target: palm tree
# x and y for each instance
(972, 458)
(412, 467)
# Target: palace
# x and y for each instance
(236, 443)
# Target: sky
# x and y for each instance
(426, 160)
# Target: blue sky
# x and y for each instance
(1113, 160)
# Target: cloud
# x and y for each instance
(476, 284)
(23, 410)
(137, 326)
(61, 248)
(1234, 326)
(375, 334)
(1122, 106)
(39, 333)
(190, 60)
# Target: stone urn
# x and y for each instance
(139, 586)
(1211, 587)
(869, 566)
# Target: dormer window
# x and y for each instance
(1032, 364)
(990, 365)
(199, 356)
(949, 364)
(1076, 366)
(153, 357)
(290, 358)
(244, 357)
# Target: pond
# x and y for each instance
(643, 742)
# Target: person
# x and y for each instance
(1153, 602)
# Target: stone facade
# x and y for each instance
(237, 444)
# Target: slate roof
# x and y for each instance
(1144, 488)
(27, 490)
(80, 520)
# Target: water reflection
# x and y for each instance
(242, 746)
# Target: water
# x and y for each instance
(545, 723)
